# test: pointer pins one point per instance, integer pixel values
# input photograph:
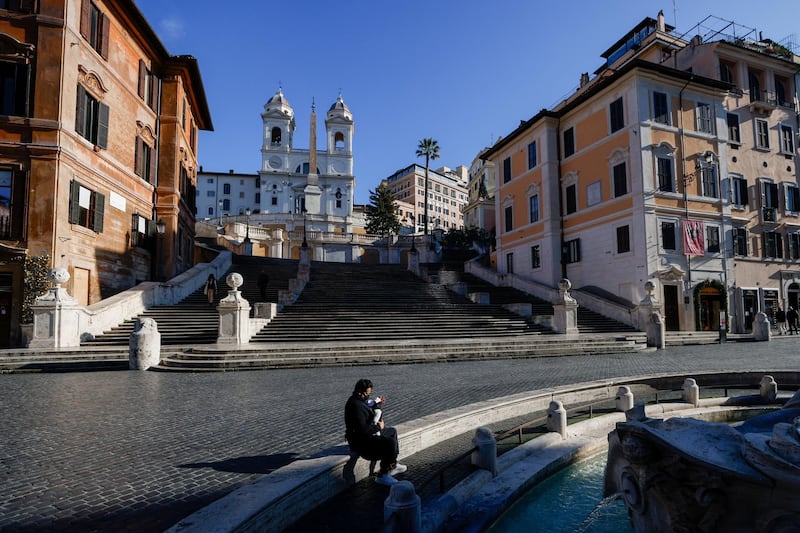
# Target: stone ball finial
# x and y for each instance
(234, 280)
(649, 287)
(58, 275)
(402, 494)
(565, 284)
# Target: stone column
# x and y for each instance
(651, 319)
(144, 345)
(234, 314)
(485, 456)
(305, 256)
(624, 400)
(557, 418)
(691, 392)
(56, 316)
(565, 319)
(413, 261)
(402, 510)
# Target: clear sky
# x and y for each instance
(460, 71)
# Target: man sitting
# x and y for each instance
(369, 438)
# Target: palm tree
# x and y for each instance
(430, 150)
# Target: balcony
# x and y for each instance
(769, 214)
(762, 102)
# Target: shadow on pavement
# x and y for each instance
(255, 464)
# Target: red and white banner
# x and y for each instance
(693, 237)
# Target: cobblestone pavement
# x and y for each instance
(138, 451)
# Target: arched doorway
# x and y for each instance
(710, 299)
(793, 295)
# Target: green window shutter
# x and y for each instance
(99, 210)
(80, 112)
(74, 206)
(102, 125)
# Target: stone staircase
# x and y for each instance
(193, 320)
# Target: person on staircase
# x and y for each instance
(371, 439)
(210, 288)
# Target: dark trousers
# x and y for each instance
(793, 327)
(383, 448)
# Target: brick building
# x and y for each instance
(98, 142)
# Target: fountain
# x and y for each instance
(683, 474)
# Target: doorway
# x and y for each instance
(793, 295)
(710, 306)
(750, 307)
(671, 308)
(80, 285)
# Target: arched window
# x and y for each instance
(276, 135)
(338, 141)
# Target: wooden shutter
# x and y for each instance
(99, 210)
(74, 206)
(104, 35)
(80, 112)
(142, 79)
(137, 156)
(153, 162)
(86, 19)
(19, 204)
(102, 125)
(26, 6)
(155, 91)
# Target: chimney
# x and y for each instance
(661, 25)
(584, 78)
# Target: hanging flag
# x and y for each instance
(693, 237)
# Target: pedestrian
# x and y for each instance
(791, 316)
(263, 281)
(780, 318)
(210, 289)
(368, 436)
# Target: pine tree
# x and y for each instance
(382, 212)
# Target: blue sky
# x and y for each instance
(460, 71)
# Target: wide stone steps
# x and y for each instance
(66, 360)
(288, 355)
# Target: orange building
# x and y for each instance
(676, 163)
(98, 142)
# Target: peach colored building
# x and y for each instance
(676, 163)
(98, 142)
(447, 196)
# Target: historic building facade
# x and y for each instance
(676, 163)
(98, 142)
(447, 196)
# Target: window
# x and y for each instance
(509, 218)
(210, 211)
(274, 200)
(769, 200)
(532, 155)
(571, 199)
(569, 142)
(664, 174)
(773, 245)
(740, 241)
(211, 193)
(95, 28)
(91, 119)
(738, 191)
(726, 72)
(660, 108)
(793, 240)
(762, 133)
(510, 263)
(704, 116)
(21, 6)
(734, 136)
(226, 188)
(86, 207)
(12, 203)
(712, 239)
(506, 170)
(616, 115)
(144, 164)
(572, 251)
(623, 239)
(14, 88)
(754, 83)
(668, 235)
(226, 204)
(787, 139)
(533, 205)
(536, 258)
(708, 180)
(620, 180)
(792, 199)
(780, 92)
(257, 198)
(148, 86)
(139, 231)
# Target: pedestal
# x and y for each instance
(234, 314)
(565, 318)
(56, 316)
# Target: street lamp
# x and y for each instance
(305, 242)
(161, 229)
(247, 221)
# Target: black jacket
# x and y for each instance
(358, 421)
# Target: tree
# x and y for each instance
(382, 212)
(429, 149)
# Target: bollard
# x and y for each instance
(402, 510)
(624, 399)
(768, 388)
(485, 456)
(557, 418)
(144, 347)
(691, 392)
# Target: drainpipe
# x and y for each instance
(560, 200)
(683, 172)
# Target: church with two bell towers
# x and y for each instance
(319, 183)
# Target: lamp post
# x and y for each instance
(247, 222)
(161, 229)
(305, 242)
